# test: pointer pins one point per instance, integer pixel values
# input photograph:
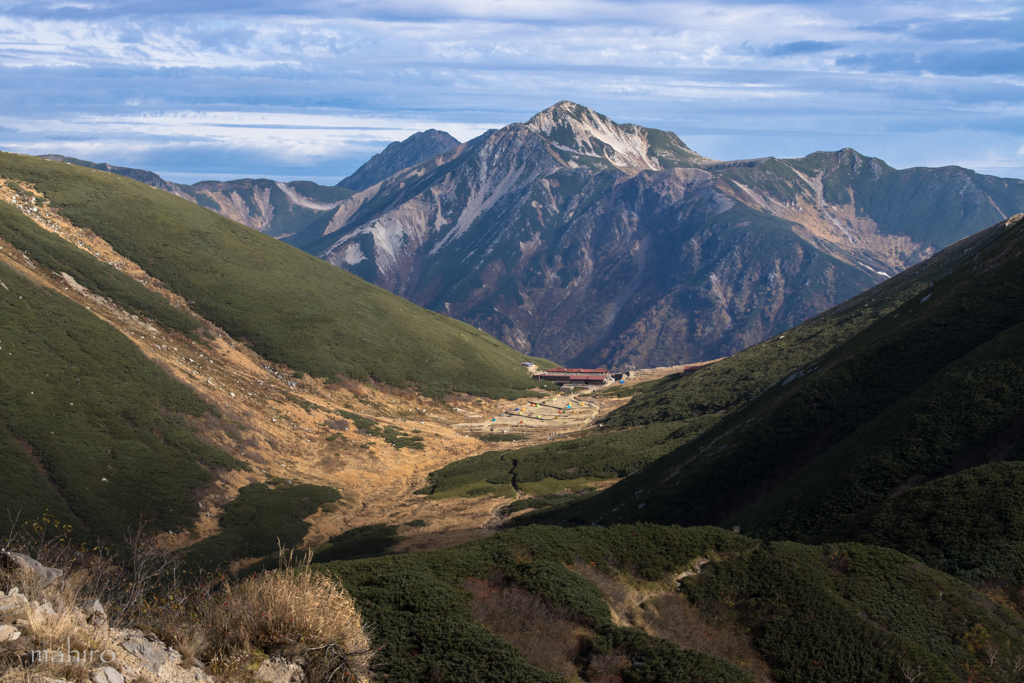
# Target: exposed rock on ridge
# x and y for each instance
(399, 156)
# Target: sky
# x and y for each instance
(310, 89)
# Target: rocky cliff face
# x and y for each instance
(589, 242)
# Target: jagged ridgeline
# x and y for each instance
(920, 411)
(590, 242)
(290, 306)
(648, 603)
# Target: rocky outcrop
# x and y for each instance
(114, 654)
(44, 576)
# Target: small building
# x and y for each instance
(576, 376)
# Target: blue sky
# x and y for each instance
(310, 89)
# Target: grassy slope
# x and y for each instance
(826, 613)
(291, 306)
(59, 255)
(970, 524)
(80, 404)
(930, 389)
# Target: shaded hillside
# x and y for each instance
(399, 156)
(932, 388)
(594, 243)
(291, 307)
(667, 413)
(543, 603)
(970, 524)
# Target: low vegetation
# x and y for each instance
(853, 613)
(259, 519)
(364, 541)
(600, 603)
(292, 307)
(969, 525)
(563, 464)
(422, 607)
(92, 429)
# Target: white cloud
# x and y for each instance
(308, 80)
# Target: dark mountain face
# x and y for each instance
(932, 387)
(399, 156)
(589, 242)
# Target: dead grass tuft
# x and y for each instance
(295, 610)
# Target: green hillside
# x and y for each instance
(536, 604)
(970, 524)
(290, 306)
(931, 388)
(91, 429)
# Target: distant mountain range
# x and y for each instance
(579, 239)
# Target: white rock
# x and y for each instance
(46, 575)
(277, 670)
(107, 674)
(8, 633)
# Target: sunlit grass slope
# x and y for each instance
(90, 428)
(292, 307)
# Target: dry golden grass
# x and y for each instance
(67, 625)
(662, 612)
(55, 634)
(46, 673)
(296, 611)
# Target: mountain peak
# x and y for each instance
(415, 149)
(575, 128)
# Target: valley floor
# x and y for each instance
(292, 428)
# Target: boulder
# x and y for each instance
(278, 670)
(153, 655)
(8, 633)
(45, 575)
(12, 603)
(107, 674)
(93, 612)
